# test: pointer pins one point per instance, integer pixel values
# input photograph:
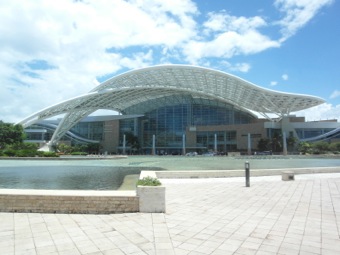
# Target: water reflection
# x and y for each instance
(65, 177)
(109, 174)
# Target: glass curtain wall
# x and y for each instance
(169, 123)
(89, 130)
(226, 141)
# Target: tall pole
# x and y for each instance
(183, 144)
(215, 143)
(284, 144)
(153, 145)
(124, 144)
(249, 144)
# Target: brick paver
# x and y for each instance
(204, 216)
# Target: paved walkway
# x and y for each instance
(204, 216)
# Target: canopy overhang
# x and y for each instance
(149, 86)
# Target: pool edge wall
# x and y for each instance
(75, 202)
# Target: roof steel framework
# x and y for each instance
(135, 89)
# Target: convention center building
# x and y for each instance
(176, 109)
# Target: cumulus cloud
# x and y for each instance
(321, 112)
(231, 36)
(284, 77)
(335, 94)
(297, 14)
(221, 22)
(273, 83)
(55, 50)
(238, 67)
(80, 41)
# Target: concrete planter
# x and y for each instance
(151, 199)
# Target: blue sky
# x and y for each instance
(51, 51)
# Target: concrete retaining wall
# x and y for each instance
(59, 201)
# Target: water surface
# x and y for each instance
(109, 174)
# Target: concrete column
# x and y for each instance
(284, 144)
(249, 144)
(153, 145)
(215, 143)
(124, 144)
(183, 144)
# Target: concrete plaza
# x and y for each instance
(204, 216)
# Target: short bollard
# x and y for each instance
(247, 174)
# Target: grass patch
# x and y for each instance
(149, 181)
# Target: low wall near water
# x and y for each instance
(105, 202)
(70, 201)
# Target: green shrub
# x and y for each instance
(40, 153)
(149, 181)
(304, 147)
(9, 153)
(320, 147)
(25, 153)
(49, 154)
(79, 153)
(334, 147)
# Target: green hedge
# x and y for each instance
(27, 153)
(79, 153)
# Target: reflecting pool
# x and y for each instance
(109, 174)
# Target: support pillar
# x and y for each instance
(215, 144)
(249, 144)
(183, 144)
(124, 144)
(153, 145)
(284, 144)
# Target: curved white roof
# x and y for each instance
(146, 88)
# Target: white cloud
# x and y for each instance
(227, 45)
(83, 40)
(238, 67)
(242, 67)
(231, 36)
(297, 14)
(321, 112)
(335, 94)
(284, 77)
(273, 83)
(221, 22)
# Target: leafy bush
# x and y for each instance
(49, 154)
(9, 153)
(39, 153)
(320, 147)
(149, 181)
(334, 147)
(25, 153)
(304, 147)
(79, 153)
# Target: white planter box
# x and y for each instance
(151, 199)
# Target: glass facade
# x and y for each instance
(169, 123)
(38, 133)
(126, 126)
(311, 132)
(225, 140)
(89, 130)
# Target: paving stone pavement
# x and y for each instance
(204, 216)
